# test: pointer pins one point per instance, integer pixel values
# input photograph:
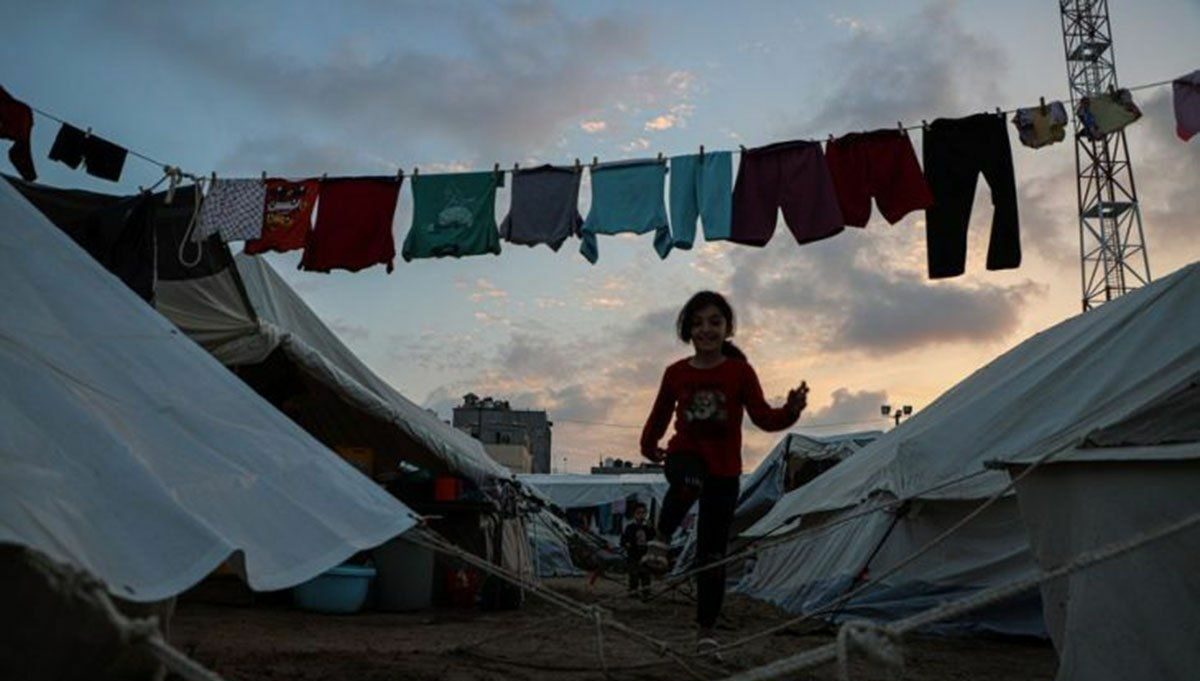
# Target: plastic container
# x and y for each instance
(447, 488)
(404, 576)
(340, 591)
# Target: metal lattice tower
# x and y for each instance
(1112, 247)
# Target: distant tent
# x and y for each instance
(550, 541)
(571, 490)
(794, 461)
(1128, 362)
(128, 451)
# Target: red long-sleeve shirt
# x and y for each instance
(708, 405)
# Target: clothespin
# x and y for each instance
(701, 151)
(416, 171)
(924, 125)
(999, 112)
(172, 182)
(516, 168)
(595, 161)
(399, 174)
(660, 157)
(496, 169)
(88, 132)
(324, 177)
(264, 176)
(742, 147)
(577, 167)
(1042, 104)
(900, 127)
(830, 140)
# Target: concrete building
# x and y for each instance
(515, 458)
(494, 422)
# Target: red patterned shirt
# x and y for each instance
(708, 405)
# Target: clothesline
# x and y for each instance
(595, 159)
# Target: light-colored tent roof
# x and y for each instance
(211, 311)
(762, 488)
(1044, 396)
(125, 449)
(571, 490)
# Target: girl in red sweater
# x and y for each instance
(707, 394)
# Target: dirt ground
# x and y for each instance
(272, 642)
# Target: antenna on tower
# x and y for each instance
(1112, 246)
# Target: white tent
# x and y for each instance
(798, 456)
(1135, 618)
(128, 451)
(1043, 396)
(550, 543)
(570, 490)
(278, 335)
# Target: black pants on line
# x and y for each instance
(956, 151)
(718, 500)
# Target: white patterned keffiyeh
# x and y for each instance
(233, 208)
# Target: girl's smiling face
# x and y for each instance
(710, 330)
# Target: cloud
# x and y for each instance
(638, 144)
(866, 293)
(593, 127)
(847, 408)
(486, 291)
(663, 122)
(901, 74)
(516, 75)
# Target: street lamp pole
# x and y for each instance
(900, 412)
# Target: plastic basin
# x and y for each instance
(341, 590)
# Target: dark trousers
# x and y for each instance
(639, 577)
(956, 151)
(718, 500)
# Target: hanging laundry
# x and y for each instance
(287, 216)
(354, 225)
(454, 215)
(68, 146)
(1042, 125)
(545, 207)
(16, 124)
(114, 230)
(627, 197)
(1106, 113)
(233, 209)
(880, 164)
(956, 151)
(701, 187)
(101, 158)
(1187, 105)
(792, 176)
(104, 159)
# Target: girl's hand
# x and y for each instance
(657, 456)
(797, 399)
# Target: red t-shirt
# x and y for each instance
(708, 405)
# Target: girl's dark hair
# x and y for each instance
(703, 299)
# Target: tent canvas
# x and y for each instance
(129, 452)
(341, 397)
(1047, 394)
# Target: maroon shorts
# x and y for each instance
(791, 176)
(880, 164)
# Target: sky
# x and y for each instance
(306, 88)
